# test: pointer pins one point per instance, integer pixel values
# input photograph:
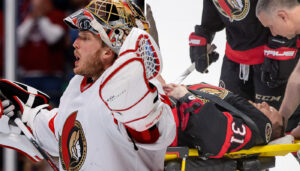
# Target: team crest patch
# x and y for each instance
(234, 10)
(218, 92)
(206, 88)
(72, 144)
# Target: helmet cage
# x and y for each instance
(111, 20)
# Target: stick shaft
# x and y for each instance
(30, 137)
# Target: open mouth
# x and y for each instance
(77, 58)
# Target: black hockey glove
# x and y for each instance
(279, 61)
(27, 101)
(201, 53)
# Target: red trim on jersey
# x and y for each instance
(249, 57)
(175, 114)
(85, 85)
(51, 124)
(229, 134)
(298, 42)
(165, 99)
(185, 117)
(148, 136)
(16, 86)
(282, 53)
(22, 152)
(246, 139)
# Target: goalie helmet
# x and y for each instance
(111, 20)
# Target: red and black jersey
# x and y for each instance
(245, 35)
(203, 123)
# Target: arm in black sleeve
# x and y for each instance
(211, 22)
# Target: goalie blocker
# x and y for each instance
(24, 101)
(213, 130)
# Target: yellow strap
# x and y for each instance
(183, 162)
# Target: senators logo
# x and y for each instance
(234, 10)
(72, 144)
(220, 92)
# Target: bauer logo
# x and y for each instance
(234, 10)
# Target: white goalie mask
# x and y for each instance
(111, 20)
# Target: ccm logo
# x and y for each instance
(267, 98)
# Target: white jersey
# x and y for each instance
(88, 138)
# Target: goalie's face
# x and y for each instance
(92, 55)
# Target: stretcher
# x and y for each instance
(256, 158)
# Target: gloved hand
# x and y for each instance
(201, 53)
(6, 108)
(11, 136)
(27, 101)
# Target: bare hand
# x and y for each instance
(174, 90)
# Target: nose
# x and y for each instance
(76, 44)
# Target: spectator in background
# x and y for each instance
(40, 38)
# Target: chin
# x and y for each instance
(76, 71)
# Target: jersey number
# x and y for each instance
(238, 131)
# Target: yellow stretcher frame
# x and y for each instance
(263, 151)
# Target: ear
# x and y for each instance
(283, 15)
(108, 53)
(108, 56)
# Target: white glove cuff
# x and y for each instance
(30, 113)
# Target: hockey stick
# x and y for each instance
(191, 68)
(30, 137)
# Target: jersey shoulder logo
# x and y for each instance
(234, 10)
(210, 89)
(72, 144)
